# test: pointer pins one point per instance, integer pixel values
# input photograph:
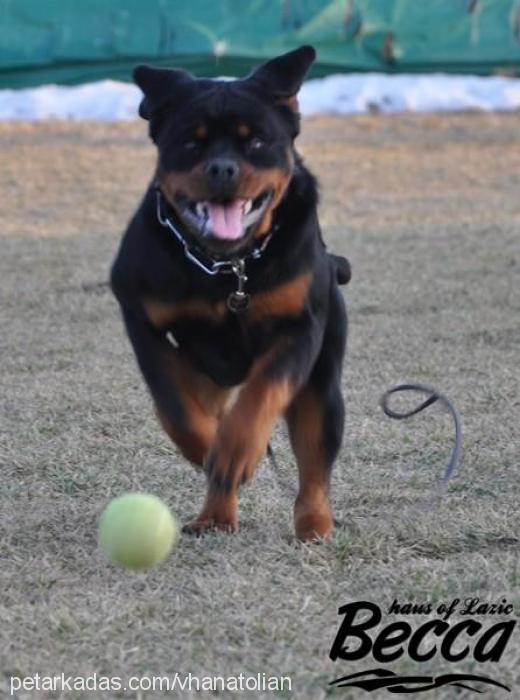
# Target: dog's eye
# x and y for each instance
(191, 145)
(255, 144)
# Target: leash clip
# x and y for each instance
(238, 300)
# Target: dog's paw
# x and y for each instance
(220, 512)
(313, 521)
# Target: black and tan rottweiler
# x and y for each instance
(229, 297)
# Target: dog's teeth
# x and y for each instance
(247, 206)
(200, 209)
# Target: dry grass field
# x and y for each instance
(427, 209)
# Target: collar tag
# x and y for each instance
(238, 300)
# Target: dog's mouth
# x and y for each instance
(224, 220)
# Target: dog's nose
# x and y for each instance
(222, 172)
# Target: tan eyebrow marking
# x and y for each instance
(243, 130)
(201, 132)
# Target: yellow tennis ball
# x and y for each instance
(137, 530)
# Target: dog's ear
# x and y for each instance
(283, 76)
(160, 86)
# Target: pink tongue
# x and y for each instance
(226, 219)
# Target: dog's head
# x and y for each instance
(225, 146)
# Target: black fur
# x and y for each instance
(304, 347)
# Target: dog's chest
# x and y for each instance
(285, 300)
(221, 342)
(224, 352)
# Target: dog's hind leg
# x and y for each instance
(315, 419)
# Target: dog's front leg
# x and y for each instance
(244, 432)
(187, 403)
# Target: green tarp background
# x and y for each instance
(73, 41)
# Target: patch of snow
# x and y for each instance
(105, 100)
(363, 92)
(354, 93)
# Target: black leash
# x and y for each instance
(432, 396)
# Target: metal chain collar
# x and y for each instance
(238, 300)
